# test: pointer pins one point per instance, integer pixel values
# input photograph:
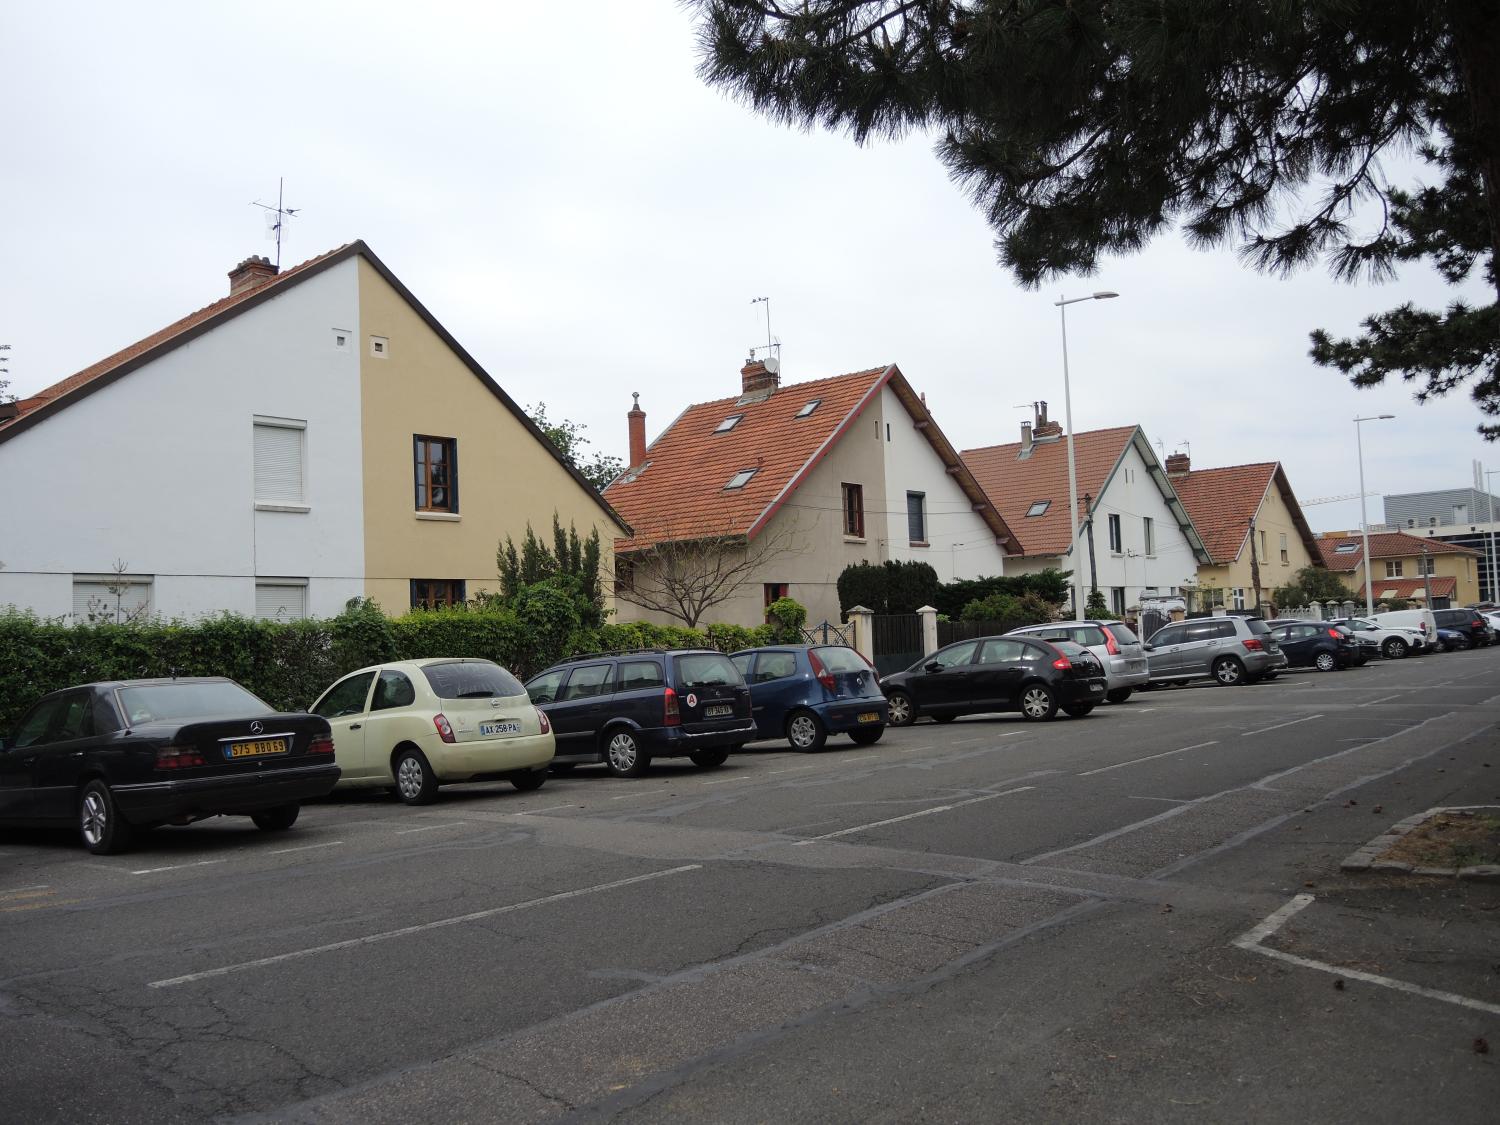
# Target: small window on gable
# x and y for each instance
(728, 424)
(809, 408)
(380, 346)
(740, 479)
(1038, 507)
(341, 339)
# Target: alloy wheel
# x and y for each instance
(409, 778)
(95, 819)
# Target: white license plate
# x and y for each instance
(505, 726)
(717, 711)
(1096, 687)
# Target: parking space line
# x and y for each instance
(1251, 939)
(911, 816)
(728, 780)
(449, 824)
(529, 812)
(404, 931)
(21, 892)
(177, 866)
(1148, 758)
(1278, 726)
(306, 847)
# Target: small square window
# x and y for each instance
(341, 339)
(740, 479)
(728, 424)
(809, 408)
(380, 346)
(1038, 507)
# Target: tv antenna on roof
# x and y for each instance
(276, 217)
(772, 344)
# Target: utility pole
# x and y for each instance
(1254, 566)
(1088, 509)
(1426, 579)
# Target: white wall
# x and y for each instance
(155, 470)
(961, 544)
(1132, 495)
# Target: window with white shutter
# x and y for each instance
(283, 600)
(280, 444)
(100, 599)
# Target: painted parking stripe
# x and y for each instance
(177, 866)
(1278, 726)
(1148, 758)
(1251, 940)
(911, 816)
(306, 847)
(430, 827)
(404, 931)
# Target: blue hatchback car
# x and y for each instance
(804, 693)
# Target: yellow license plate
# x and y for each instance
(870, 717)
(255, 749)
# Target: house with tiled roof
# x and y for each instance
(1256, 535)
(1135, 539)
(1409, 567)
(773, 491)
(313, 436)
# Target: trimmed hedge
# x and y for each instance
(288, 664)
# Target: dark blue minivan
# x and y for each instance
(804, 693)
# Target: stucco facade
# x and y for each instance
(1280, 552)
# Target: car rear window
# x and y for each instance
(1070, 648)
(706, 669)
(837, 658)
(1122, 634)
(152, 702)
(1257, 626)
(471, 679)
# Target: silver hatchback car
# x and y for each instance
(1230, 650)
(1118, 649)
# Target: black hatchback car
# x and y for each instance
(132, 754)
(1317, 644)
(625, 708)
(1014, 673)
(1472, 625)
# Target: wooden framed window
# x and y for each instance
(624, 575)
(775, 591)
(854, 510)
(1393, 568)
(437, 593)
(435, 461)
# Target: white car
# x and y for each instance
(1393, 641)
(412, 725)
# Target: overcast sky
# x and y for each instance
(588, 219)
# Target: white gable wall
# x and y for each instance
(1133, 495)
(155, 470)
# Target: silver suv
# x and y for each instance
(1231, 650)
(1118, 649)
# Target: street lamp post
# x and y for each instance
(1062, 304)
(1489, 504)
(1364, 522)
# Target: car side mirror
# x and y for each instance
(1148, 647)
(932, 666)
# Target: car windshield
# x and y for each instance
(149, 703)
(707, 669)
(471, 679)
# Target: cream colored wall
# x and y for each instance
(1274, 519)
(506, 478)
(1465, 568)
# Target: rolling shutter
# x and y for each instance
(280, 601)
(95, 602)
(278, 463)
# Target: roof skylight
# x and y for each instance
(1346, 548)
(728, 424)
(1038, 507)
(809, 408)
(740, 479)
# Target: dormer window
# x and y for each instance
(1346, 548)
(809, 408)
(1038, 507)
(740, 479)
(728, 424)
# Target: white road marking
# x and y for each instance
(1278, 726)
(1251, 940)
(727, 780)
(1169, 800)
(1148, 758)
(430, 827)
(306, 847)
(371, 939)
(799, 769)
(529, 812)
(27, 887)
(911, 816)
(176, 867)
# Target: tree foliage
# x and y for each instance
(1049, 585)
(888, 587)
(1311, 584)
(686, 577)
(570, 565)
(1083, 128)
(597, 468)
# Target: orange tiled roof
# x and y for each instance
(1414, 587)
(1222, 502)
(1014, 484)
(1383, 545)
(680, 493)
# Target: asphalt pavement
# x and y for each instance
(1134, 916)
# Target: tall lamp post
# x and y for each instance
(1062, 304)
(1364, 523)
(1489, 503)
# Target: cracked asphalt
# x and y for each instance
(988, 920)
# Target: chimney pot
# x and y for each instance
(1025, 438)
(637, 420)
(252, 273)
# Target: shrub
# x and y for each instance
(786, 617)
(891, 587)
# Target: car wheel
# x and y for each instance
(416, 784)
(529, 781)
(623, 754)
(1037, 702)
(1119, 695)
(1078, 710)
(903, 711)
(1462, 643)
(1394, 648)
(708, 759)
(805, 731)
(278, 819)
(1229, 671)
(1325, 662)
(104, 830)
(866, 736)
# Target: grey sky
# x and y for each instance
(588, 219)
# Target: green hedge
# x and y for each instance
(289, 664)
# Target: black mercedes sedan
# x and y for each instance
(128, 755)
(1015, 673)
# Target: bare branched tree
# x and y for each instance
(113, 610)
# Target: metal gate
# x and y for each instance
(1151, 620)
(898, 641)
(829, 634)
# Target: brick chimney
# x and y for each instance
(758, 379)
(1025, 439)
(252, 273)
(637, 418)
(1178, 465)
(1045, 428)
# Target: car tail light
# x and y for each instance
(1252, 644)
(444, 727)
(671, 713)
(321, 744)
(1335, 634)
(1062, 664)
(541, 717)
(178, 757)
(1109, 644)
(820, 673)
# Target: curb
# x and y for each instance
(1367, 858)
